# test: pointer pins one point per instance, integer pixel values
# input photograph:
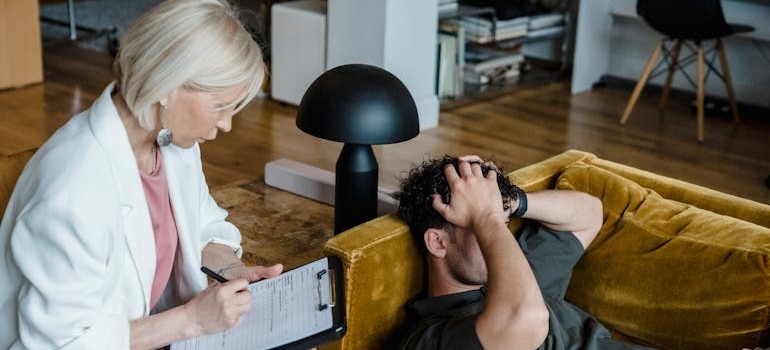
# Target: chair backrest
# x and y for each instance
(10, 169)
(685, 19)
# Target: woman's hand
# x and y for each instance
(220, 306)
(223, 260)
(252, 273)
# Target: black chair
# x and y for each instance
(686, 23)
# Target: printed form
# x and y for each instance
(288, 307)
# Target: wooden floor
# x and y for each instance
(527, 124)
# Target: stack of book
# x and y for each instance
(484, 30)
(480, 50)
(544, 25)
(447, 6)
(493, 50)
(485, 64)
(545, 37)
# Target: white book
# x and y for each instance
(483, 22)
(546, 20)
(487, 38)
(481, 34)
(458, 32)
(501, 61)
(545, 32)
(446, 65)
(493, 75)
(448, 7)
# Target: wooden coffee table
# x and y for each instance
(277, 226)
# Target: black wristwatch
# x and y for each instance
(522, 197)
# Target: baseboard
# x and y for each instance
(315, 183)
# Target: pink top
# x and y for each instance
(163, 225)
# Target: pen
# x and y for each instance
(213, 274)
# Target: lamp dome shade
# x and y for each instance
(358, 104)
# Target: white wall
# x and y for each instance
(633, 41)
(396, 35)
(611, 39)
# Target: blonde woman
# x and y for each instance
(111, 221)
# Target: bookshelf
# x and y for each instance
(478, 51)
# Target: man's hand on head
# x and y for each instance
(475, 198)
(472, 158)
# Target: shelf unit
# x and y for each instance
(549, 46)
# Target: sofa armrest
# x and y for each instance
(383, 269)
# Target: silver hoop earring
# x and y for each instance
(164, 136)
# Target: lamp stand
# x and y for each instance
(355, 194)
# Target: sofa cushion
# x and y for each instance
(669, 273)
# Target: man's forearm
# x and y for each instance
(562, 210)
(515, 315)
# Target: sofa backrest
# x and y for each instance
(685, 192)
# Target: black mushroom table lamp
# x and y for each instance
(360, 105)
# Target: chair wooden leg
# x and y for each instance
(728, 81)
(700, 74)
(642, 82)
(670, 75)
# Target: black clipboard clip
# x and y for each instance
(321, 305)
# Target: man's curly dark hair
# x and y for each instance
(415, 204)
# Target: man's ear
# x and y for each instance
(435, 242)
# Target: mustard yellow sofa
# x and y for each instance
(676, 266)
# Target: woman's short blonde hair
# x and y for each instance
(195, 44)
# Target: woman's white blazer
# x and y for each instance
(77, 243)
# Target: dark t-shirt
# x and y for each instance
(449, 322)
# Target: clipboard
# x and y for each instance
(299, 309)
(337, 305)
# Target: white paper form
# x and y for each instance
(288, 307)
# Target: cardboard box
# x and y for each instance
(21, 58)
